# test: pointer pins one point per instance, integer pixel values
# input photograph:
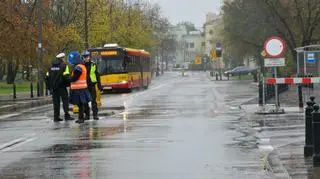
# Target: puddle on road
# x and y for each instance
(77, 154)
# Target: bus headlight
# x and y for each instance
(124, 82)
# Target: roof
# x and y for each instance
(130, 51)
(217, 19)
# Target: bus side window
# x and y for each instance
(148, 64)
(133, 64)
(126, 63)
(144, 64)
(139, 64)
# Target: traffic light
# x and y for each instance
(218, 50)
(218, 53)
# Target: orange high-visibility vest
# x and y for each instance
(81, 83)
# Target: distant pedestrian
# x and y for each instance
(93, 81)
(79, 94)
(57, 79)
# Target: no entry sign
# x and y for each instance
(275, 47)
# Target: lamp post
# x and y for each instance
(40, 50)
(86, 45)
(299, 50)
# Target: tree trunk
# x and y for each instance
(29, 71)
(294, 60)
(2, 69)
(10, 74)
(12, 71)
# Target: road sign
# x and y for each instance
(274, 62)
(311, 58)
(275, 47)
(27, 1)
(198, 60)
(213, 54)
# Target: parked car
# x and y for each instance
(240, 70)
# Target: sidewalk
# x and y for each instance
(285, 135)
(8, 104)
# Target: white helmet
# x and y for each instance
(61, 55)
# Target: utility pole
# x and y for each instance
(86, 45)
(40, 50)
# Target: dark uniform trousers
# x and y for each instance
(56, 95)
(82, 109)
(94, 105)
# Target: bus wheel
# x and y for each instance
(129, 90)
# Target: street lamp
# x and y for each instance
(299, 50)
(86, 24)
(40, 50)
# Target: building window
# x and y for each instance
(191, 45)
(203, 44)
(211, 32)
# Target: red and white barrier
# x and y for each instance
(290, 81)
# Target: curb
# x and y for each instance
(275, 166)
(18, 106)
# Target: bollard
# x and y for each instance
(31, 90)
(316, 136)
(14, 91)
(260, 93)
(217, 76)
(300, 96)
(278, 99)
(228, 76)
(308, 147)
(312, 85)
(312, 99)
(46, 91)
(267, 92)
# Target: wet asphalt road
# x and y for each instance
(181, 127)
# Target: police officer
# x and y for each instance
(79, 95)
(93, 79)
(58, 79)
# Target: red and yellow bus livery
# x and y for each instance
(122, 68)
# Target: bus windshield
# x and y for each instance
(111, 65)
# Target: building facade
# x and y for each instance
(194, 45)
(177, 32)
(212, 28)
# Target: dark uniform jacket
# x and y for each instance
(58, 75)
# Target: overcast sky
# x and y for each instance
(188, 10)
